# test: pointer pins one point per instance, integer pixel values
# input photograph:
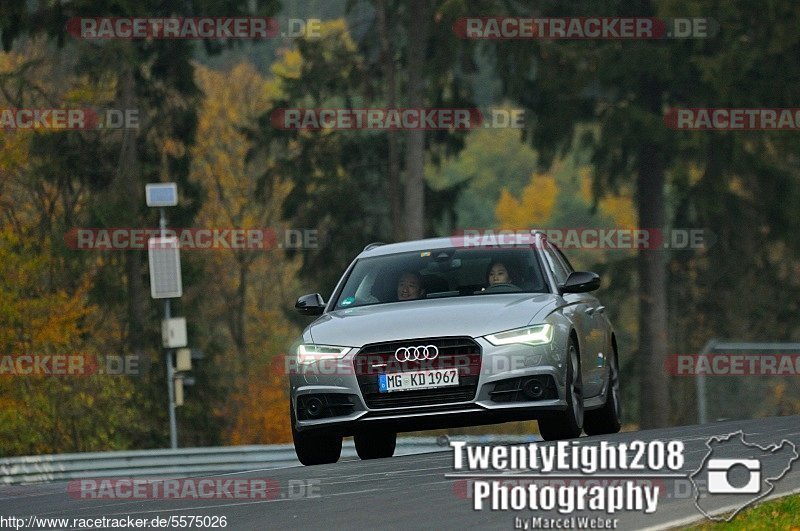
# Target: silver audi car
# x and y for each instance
(451, 332)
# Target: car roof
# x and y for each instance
(381, 249)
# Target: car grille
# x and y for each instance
(454, 352)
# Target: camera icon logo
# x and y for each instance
(740, 472)
(718, 470)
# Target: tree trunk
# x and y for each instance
(240, 334)
(129, 181)
(652, 266)
(393, 176)
(415, 146)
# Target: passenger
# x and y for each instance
(497, 273)
(409, 286)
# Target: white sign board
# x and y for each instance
(165, 268)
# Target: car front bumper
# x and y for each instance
(345, 409)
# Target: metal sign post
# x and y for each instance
(165, 283)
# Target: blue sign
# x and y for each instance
(161, 194)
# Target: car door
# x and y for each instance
(586, 316)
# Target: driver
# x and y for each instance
(409, 286)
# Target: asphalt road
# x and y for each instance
(409, 492)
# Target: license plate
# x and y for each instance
(411, 381)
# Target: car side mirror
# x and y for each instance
(311, 304)
(580, 282)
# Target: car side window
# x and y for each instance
(558, 269)
(567, 266)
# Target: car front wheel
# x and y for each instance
(606, 419)
(570, 424)
(375, 444)
(315, 447)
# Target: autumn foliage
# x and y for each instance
(264, 415)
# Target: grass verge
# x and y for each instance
(783, 513)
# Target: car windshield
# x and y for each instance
(440, 273)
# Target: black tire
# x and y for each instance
(570, 424)
(375, 444)
(315, 447)
(606, 419)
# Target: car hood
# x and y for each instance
(471, 316)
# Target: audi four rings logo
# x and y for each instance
(426, 352)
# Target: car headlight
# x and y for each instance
(309, 352)
(530, 335)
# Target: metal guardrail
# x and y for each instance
(184, 462)
(719, 345)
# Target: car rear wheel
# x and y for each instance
(375, 444)
(570, 424)
(315, 447)
(607, 419)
